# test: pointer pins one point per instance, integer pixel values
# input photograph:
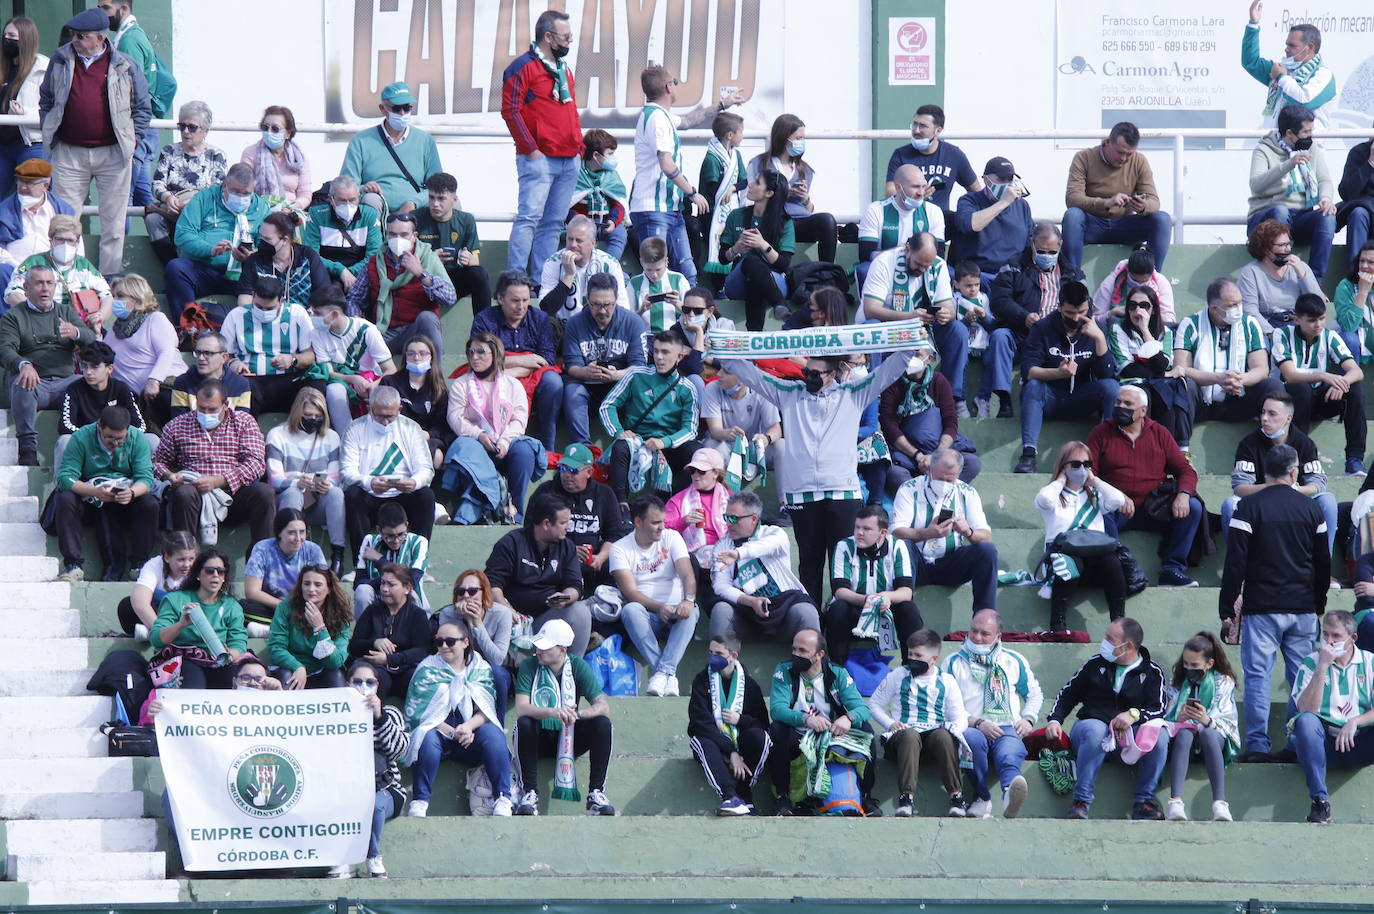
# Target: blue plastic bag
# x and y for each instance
(619, 674)
(867, 667)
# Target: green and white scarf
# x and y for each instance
(559, 692)
(816, 341)
(893, 215)
(727, 200)
(917, 398)
(854, 748)
(747, 463)
(1302, 178)
(436, 690)
(735, 699)
(1066, 567)
(903, 295)
(1301, 75)
(875, 621)
(387, 285)
(1208, 350)
(558, 72)
(986, 671)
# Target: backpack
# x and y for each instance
(164, 93)
(805, 278)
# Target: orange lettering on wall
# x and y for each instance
(363, 92)
(691, 72)
(726, 74)
(425, 53)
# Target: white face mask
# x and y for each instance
(345, 211)
(1232, 316)
(398, 246)
(262, 316)
(981, 650)
(1338, 649)
(28, 202)
(1108, 651)
(64, 253)
(939, 486)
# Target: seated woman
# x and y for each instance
(488, 411)
(303, 468)
(1271, 283)
(390, 743)
(1143, 348)
(1135, 271)
(490, 624)
(786, 146)
(280, 168)
(205, 590)
(1076, 499)
(308, 643)
(393, 633)
(183, 169)
(917, 416)
(160, 575)
(757, 242)
(1354, 303)
(600, 194)
(450, 710)
(698, 513)
(299, 268)
(75, 274)
(424, 395)
(273, 567)
(827, 307)
(1202, 720)
(145, 345)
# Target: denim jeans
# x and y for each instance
(1179, 533)
(1263, 636)
(672, 228)
(1086, 739)
(1357, 229)
(644, 628)
(1306, 226)
(615, 240)
(488, 748)
(327, 508)
(188, 280)
(951, 341)
(577, 407)
(1317, 751)
(546, 186)
(997, 362)
(1007, 752)
(383, 808)
(25, 404)
(1081, 229)
(548, 406)
(516, 467)
(1040, 401)
(1325, 500)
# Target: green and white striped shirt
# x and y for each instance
(255, 342)
(660, 314)
(1348, 690)
(1325, 353)
(916, 505)
(924, 703)
(652, 192)
(868, 575)
(359, 348)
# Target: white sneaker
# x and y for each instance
(376, 868)
(980, 809)
(140, 632)
(419, 809)
(982, 409)
(1013, 796)
(441, 516)
(258, 630)
(1175, 812)
(343, 871)
(671, 687)
(502, 806)
(658, 684)
(1221, 811)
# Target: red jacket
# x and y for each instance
(1137, 467)
(534, 119)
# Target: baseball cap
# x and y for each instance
(1000, 168)
(576, 457)
(707, 458)
(398, 93)
(553, 633)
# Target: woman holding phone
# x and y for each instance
(1202, 721)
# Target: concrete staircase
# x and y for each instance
(74, 831)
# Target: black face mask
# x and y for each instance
(1303, 144)
(918, 667)
(1280, 259)
(267, 249)
(1123, 415)
(800, 664)
(1073, 324)
(484, 373)
(560, 53)
(311, 424)
(11, 47)
(814, 381)
(114, 23)
(1195, 677)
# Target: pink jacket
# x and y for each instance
(510, 408)
(714, 527)
(1163, 289)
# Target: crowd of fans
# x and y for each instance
(332, 305)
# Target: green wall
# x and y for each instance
(51, 15)
(893, 106)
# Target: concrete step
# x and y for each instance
(16, 481)
(21, 682)
(105, 866)
(9, 449)
(44, 654)
(21, 509)
(46, 623)
(54, 713)
(59, 836)
(23, 539)
(28, 568)
(41, 743)
(45, 596)
(93, 775)
(110, 804)
(148, 891)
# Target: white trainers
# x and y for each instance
(441, 515)
(1221, 811)
(376, 868)
(258, 630)
(419, 809)
(980, 809)
(1013, 796)
(1175, 812)
(502, 806)
(343, 871)
(658, 684)
(140, 632)
(670, 688)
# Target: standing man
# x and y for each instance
(539, 106)
(392, 162)
(1300, 78)
(93, 106)
(1111, 198)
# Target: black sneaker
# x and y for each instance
(1147, 811)
(958, 807)
(27, 459)
(1320, 813)
(906, 806)
(1003, 404)
(1285, 756)
(1077, 810)
(1175, 579)
(1026, 463)
(1254, 757)
(783, 806)
(871, 808)
(598, 805)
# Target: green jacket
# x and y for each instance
(206, 221)
(367, 159)
(226, 615)
(290, 647)
(322, 223)
(673, 419)
(840, 691)
(27, 335)
(86, 458)
(134, 42)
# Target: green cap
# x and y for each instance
(576, 457)
(398, 94)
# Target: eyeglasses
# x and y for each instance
(697, 471)
(1139, 305)
(214, 569)
(249, 679)
(271, 128)
(358, 683)
(403, 109)
(448, 642)
(693, 310)
(395, 537)
(190, 128)
(206, 353)
(736, 518)
(467, 591)
(1080, 464)
(1282, 245)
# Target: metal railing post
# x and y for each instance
(1178, 188)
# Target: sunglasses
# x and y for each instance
(697, 471)
(693, 310)
(1138, 305)
(1080, 464)
(403, 109)
(358, 683)
(448, 642)
(214, 569)
(190, 128)
(271, 128)
(564, 468)
(467, 591)
(736, 518)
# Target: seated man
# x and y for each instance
(922, 715)
(1057, 351)
(563, 281)
(392, 161)
(548, 689)
(1334, 692)
(889, 222)
(1116, 692)
(727, 724)
(103, 482)
(1289, 182)
(1135, 454)
(756, 591)
(38, 344)
(1221, 354)
(452, 235)
(1002, 698)
(216, 234)
(1323, 378)
(601, 344)
(942, 517)
(870, 586)
(391, 542)
(91, 394)
(269, 342)
(652, 414)
(534, 571)
(351, 350)
(595, 521)
(404, 288)
(215, 451)
(527, 336)
(342, 231)
(656, 294)
(211, 361)
(385, 459)
(658, 584)
(25, 214)
(732, 410)
(1111, 198)
(699, 318)
(811, 693)
(996, 224)
(917, 417)
(914, 282)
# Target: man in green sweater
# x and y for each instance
(393, 160)
(38, 341)
(105, 476)
(652, 414)
(216, 234)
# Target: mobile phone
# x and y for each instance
(1194, 701)
(944, 515)
(558, 599)
(118, 490)
(658, 297)
(319, 477)
(931, 307)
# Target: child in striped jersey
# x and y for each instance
(656, 294)
(971, 306)
(922, 712)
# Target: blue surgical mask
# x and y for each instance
(238, 203)
(397, 121)
(208, 421)
(795, 150)
(1289, 63)
(380, 428)
(1045, 262)
(120, 307)
(273, 140)
(1276, 435)
(418, 368)
(319, 324)
(716, 663)
(609, 163)
(981, 650)
(731, 391)
(920, 143)
(911, 202)
(1108, 651)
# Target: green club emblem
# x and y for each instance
(265, 781)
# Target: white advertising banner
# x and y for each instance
(910, 51)
(267, 780)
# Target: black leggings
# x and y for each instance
(473, 282)
(818, 526)
(1103, 571)
(761, 292)
(818, 228)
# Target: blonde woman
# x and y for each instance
(303, 469)
(75, 274)
(144, 342)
